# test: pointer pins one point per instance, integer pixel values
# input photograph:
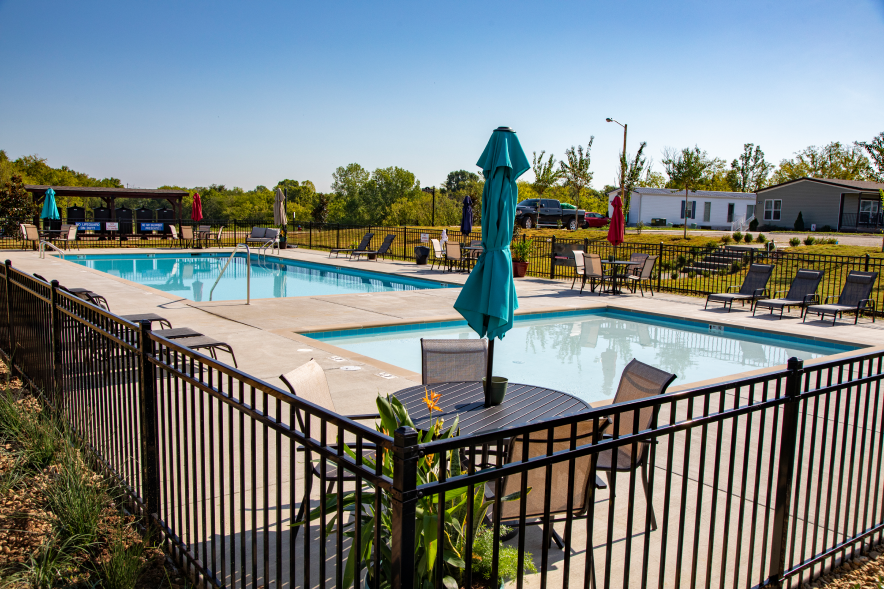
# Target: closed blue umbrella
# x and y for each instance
(466, 222)
(50, 211)
(488, 298)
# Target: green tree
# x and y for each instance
(835, 161)
(575, 171)
(459, 180)
(749, 172)
(875, 149)
(652, 179)
(634, 171)
(347, 184)
(387, 186)
(546, 174)
(320, 208)
(16, 206)
(685, 169)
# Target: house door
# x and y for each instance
(707, 212)
(730, 212)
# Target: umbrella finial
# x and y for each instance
(505, 129)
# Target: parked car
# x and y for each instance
(595, 220)
(546, 212)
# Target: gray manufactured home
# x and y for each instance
(842, 205)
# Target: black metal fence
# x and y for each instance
(767, 480)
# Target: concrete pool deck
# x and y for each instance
(267, 334)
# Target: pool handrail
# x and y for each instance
(248, 273)
(43, 245)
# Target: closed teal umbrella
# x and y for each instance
(50, 211)
(488, 298)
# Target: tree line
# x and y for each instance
(394, 196)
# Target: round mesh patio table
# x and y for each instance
(522, 404)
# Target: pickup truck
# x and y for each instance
(546, 212)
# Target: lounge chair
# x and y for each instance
(438, 253)
(593, 272)
(754, 287)
(308, 382)
(802, 293)
(363, 245)
(643, 275)
(453, 360)
(202, 342)
(381, 251)
(855, 298)
(638, 381)
(152, 317)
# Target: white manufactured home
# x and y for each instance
(708, 209)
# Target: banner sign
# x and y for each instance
(112, 226)
(84, 226)
(425, 237)
(152, 226)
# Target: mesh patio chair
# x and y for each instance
(638, 381)
(380, 252)
(363, 245)
(31, 234)
(593, 272)
(173, 232)
(308, 382)
(579, 267)
(802, 293)
(637, 257)
(453, 360)
(438, 253)
(453, 255)
(754, 287)
(186, 236)
(644, 275)
(855, 298)
(218, 236)
(68, 235)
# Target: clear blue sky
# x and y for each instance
(241, 94)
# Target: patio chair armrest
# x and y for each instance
(731, 287)
(811, 298)
(865, 303)
(760, 292)
(359, 416)
(776, 292)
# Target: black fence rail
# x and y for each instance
(768, 480)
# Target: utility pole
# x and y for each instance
(433, 223)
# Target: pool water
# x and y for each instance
(584, 353)
(191, 276)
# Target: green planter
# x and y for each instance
(497, 391)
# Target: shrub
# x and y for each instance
(794, 242)
(738, 236)
(674, 275)
(736, 267)
(825, 228)
(691, 275)
(809, 240)
(639, 226)
(706, 274)
(725, 239)
(508, 556)
(711, 244)
(829, 241)
(747, 238)
(680, 261)
(799, 222)
(124, 563)
(76, 498)
(760, 238)
(753, 225)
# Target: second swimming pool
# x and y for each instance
(584, 352)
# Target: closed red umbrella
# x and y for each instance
(617, 230)
(196, 212)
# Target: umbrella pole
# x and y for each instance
(490, 364)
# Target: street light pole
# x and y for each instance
(433, 223)
(622, 161)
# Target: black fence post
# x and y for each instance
(338, 239)
(403, 498)
(785, 472)
(58, 392)
(405, 243)
(149, 437)
(867, 262)
(7, 294)
(311, 235)
(552, 258)
(659, 266)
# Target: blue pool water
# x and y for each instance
(191, 276)
(584, 352)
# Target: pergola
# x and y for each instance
(109, 195)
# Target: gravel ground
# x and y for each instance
(863, 572)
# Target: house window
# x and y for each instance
(707, 212)
(772, 209)
(730, 212)
(691, 209)
(868, 212)
(750, 211)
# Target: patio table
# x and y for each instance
(617, 275)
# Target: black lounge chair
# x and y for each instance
(754, 287)
(855, 298)
(381, 251)
(801, 293)
(363, 245)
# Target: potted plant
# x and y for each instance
(394, 415)
(283, 236)
(520, 251)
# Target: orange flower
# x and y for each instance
(430, 398)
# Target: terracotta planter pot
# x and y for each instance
(519, 269)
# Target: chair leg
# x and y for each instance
(554, 536)
(643, 468)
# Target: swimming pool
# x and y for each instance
(191, 276)
(584, 352)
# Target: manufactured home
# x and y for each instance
(707, 209)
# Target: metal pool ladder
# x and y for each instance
(43, 245)
(248, 274)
